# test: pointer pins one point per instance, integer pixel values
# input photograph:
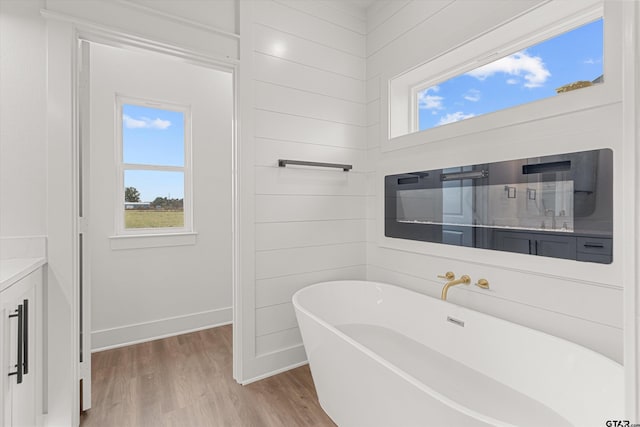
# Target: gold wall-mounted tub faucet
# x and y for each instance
(464, 279)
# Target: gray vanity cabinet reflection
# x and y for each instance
(595, 249)
(558, 206)
(555, 246)
(581, 248)
(511, 241)
(551, 245)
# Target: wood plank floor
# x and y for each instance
(187, 381)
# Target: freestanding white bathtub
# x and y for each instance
(381, 355)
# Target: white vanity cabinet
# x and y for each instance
(21, 349)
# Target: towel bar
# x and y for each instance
(283, 162)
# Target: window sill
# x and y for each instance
(143, 241)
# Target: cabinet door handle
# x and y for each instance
(19, 365)
(594, 245)
(25, 336)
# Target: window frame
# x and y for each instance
(503, 52)
(122, 167)
(399, 89)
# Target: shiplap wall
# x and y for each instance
(308, 88)
(403, 34)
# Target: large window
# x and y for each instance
(154, 168)
(555, 59)
(569, 61)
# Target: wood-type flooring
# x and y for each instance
(186, 381)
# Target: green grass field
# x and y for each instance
(153, 219)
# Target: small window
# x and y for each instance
(154, 168)
(569, 61)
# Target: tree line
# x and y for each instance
(132, 195)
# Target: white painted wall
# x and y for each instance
(555, 296)
(22, 115)
(210, 15)
(160, 291)
(303, 68)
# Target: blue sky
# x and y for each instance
(153, 136)
(525, 76)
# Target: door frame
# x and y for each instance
(66, 36)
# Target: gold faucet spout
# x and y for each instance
(463, 279)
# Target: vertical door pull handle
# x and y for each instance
(19, 365)
(25, 333)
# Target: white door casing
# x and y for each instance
(64, 32)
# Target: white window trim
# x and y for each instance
(141, 241)
(120, 229)
(400, 128)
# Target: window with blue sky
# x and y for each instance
(153, 136)
(153, 167)
(568, 61)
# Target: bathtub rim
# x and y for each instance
(450, 304)
(411, 379)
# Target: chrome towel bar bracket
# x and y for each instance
(283, 162)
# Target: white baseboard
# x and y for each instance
(121, 336)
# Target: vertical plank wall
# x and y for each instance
(308, 70)
(544, 295)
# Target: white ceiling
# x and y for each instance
(357, 6)
(363, 4)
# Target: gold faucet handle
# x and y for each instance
(483, 283)
(449, 275)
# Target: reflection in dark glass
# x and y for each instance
(559, 206)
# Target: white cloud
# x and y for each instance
(145, 123)
(430, 102)
(472, 95)
(454, 117)
(513, 81)
(592, 61)
(531, 68)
